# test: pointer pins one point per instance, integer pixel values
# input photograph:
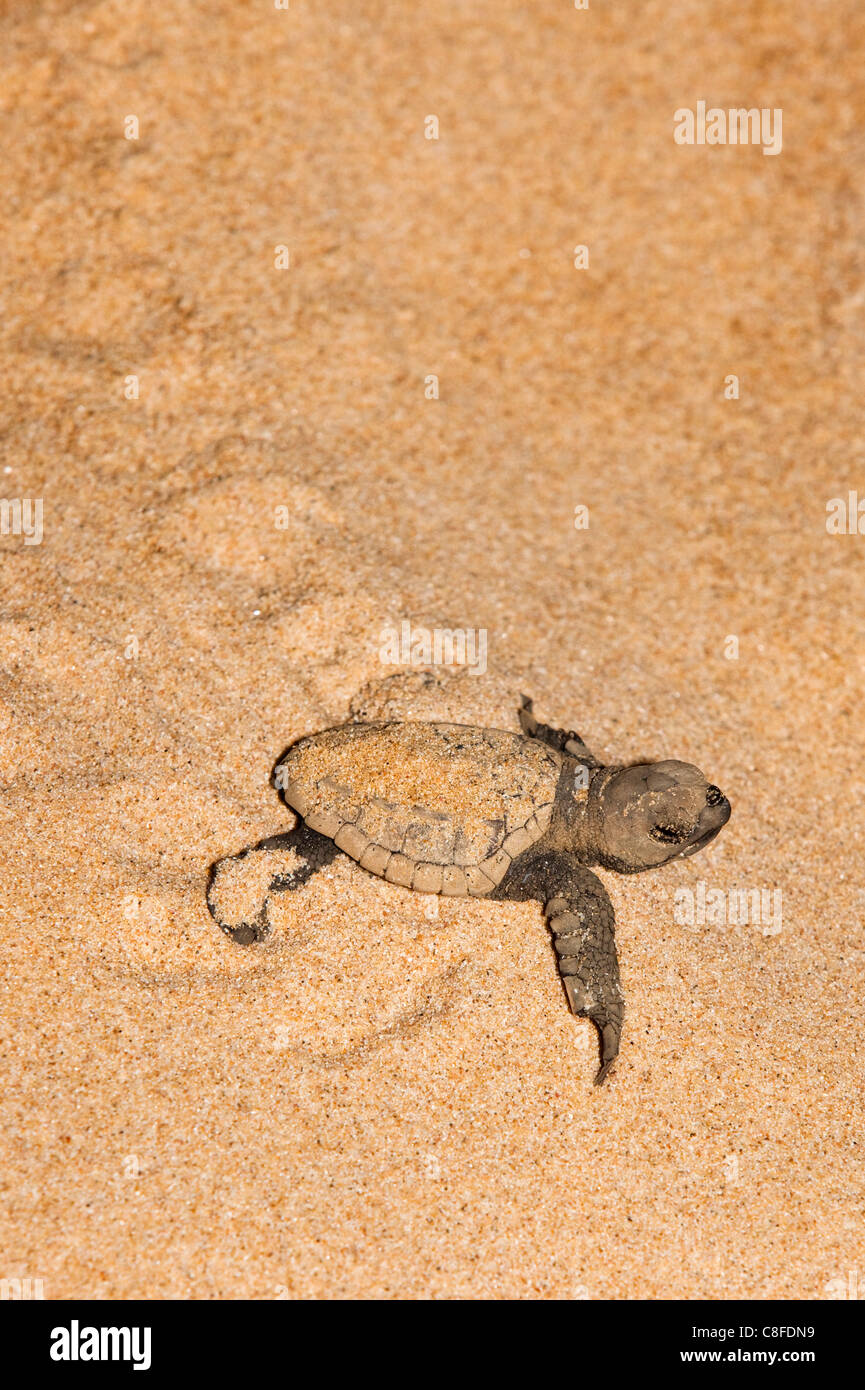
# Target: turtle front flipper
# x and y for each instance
(582, 925)
(239, 886)
(582, 921)
(564, 740)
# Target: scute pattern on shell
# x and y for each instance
(442, 808)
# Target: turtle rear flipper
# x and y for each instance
(563, 740)
(582, 921)
(240, 885)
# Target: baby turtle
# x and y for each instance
(448, 808)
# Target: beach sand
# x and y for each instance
(388, 1097)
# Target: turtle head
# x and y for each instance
(651, 813)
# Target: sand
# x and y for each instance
(388, 1098)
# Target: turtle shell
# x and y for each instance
(442, 808)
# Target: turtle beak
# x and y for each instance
(715, 816)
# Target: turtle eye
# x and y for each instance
(714, 795)
(667, 834)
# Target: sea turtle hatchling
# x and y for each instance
(448, 808)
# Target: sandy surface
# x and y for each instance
(389, 1097)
